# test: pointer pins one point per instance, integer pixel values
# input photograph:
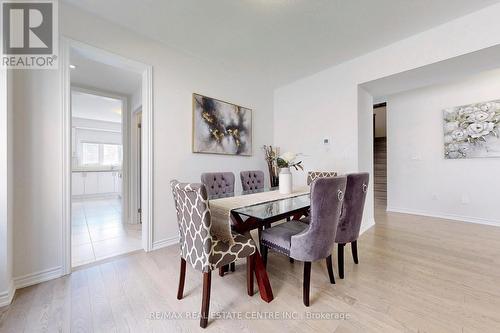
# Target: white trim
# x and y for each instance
(445, 216)
(147, 161)
(65, 89)
(147, 141)
(7, 296)
(38, 277)
(166, 242)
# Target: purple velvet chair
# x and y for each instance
(313, 241)
(352, 215)
(252, 180)
(218, 184)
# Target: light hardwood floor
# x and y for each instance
(416, 274)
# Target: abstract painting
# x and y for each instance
(472, 130)
(220, 127)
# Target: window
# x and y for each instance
(101, 154)
(111, 154)
(90, 153)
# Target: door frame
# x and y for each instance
(134, 168)
(146, 72)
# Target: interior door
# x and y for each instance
(139, 166)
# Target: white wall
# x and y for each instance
(420, 180)
(6, 207)
(38, 134)
(328, 103)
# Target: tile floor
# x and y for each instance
(97, 231)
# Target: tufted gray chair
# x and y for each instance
(352, 216)
(313, 241)
(203, 251)
(218, 184)
(252, 180)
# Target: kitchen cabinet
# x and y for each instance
(96, 183)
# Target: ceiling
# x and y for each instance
(88, 106)
(282, 39)
(97, 75)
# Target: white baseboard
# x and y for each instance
(366, 224)
(7, 296)
(38, 277)
(453, 217)
(165, 242)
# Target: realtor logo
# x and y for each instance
(29, 34)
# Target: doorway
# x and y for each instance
(380, 155)
(108, 182)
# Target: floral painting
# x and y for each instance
(472, 130)
(220, 127)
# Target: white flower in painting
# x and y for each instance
(485, 107)
(476, 130)
(465, 110)
(448, 139)
(459, 134)
(450, 126)
(289, 156)
(484, 115)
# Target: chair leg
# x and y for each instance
(354, 248)
(182, 278)
(307, 283)
(250, 271)
(222, 270)
(330, 269)
(232, 267)
(263, 254)
(340, 259)
(205, 303)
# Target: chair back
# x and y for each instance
(252, 180)
(352, 210)
(317, 241)
(194, 221)
(218, 184)
(313, 175)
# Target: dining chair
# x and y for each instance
(352, 215)
(312, 175)
(252, 180)
(313, 241)
(218, 184)
(202, 250)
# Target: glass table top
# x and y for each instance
(275, 208)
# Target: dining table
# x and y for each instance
(258, 209)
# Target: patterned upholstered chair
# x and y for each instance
(352, 215)
(200, 248)
(218, 184)
(252, 180)
(312, 175)
(313, 241)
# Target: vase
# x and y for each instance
(285, 181)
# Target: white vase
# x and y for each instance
(285, 181)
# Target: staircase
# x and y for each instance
(380, 171)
